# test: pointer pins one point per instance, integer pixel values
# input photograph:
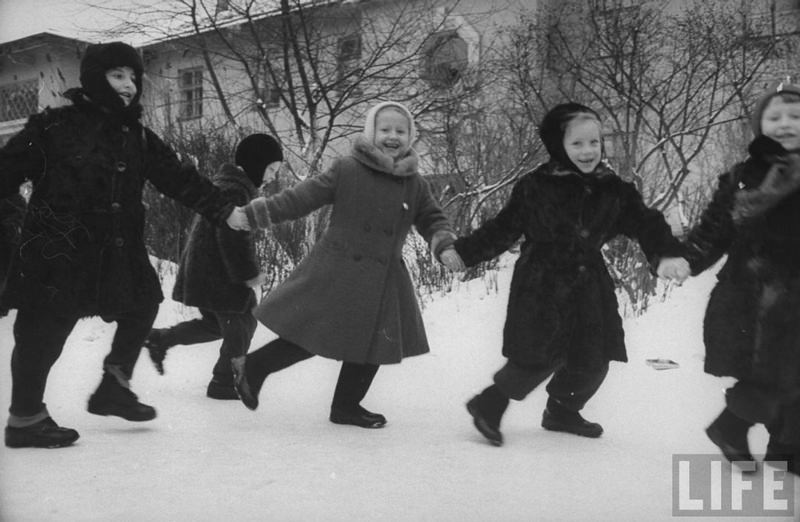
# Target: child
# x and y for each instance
(752, 322)
(351, 298)
(82, 249)
(562, 317)
(218, 271)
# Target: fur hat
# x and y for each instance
(774, 90)
(554, 126)
(97, 60)
(254, 153)
(369, 120)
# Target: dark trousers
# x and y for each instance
(235, 329)
(779, 411)
(39, 340)
(571, 387)
(354, 379)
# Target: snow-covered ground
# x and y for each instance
(209, 460)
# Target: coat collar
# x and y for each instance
(371, 156)
(234, 175)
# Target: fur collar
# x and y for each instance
(234, 175)
(371, 156)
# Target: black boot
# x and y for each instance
(222, 391)
(157, 349)
(114, 397)
(245, 384)
(487, 411)
(557, 417)
(780, 452)
(43, 434)
(351, 388)
(729, 433)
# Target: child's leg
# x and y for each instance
(195, 331)
(237, 330)
(249, 372)
(784, 436)
(351, 388)
(569, 390)
(113, 396)
(512, 381)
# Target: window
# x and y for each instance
(347, 59)
(19, 100)
(191, 93)
(444, 58)
(271, 89)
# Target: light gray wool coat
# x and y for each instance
(351, 297)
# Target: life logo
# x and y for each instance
(709, 485)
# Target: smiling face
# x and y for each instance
(392, 132)
(781, 121)
(582, 142)
(123, 81)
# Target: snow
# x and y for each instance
(202, 459)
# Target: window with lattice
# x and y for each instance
(348, 59)
(19, 100)
(445, 57)
(190, 83)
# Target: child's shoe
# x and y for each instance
(241, 383)
(357, 416)
(558, 418)
(157, 349)
(221, 391)
(114, 398)
(487, 411)
(779, 452)
(729, 433)
(43, 434)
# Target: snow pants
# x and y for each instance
(39, 340)
(779, 411)
(571, 387)
(235, 329)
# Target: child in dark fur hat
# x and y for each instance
(82, 249)
(219, 270)
(562, 317)
(752, 321)
(351, 298)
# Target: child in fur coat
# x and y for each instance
(351, 298)
(752, 322)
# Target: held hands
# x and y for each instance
(238, 219)
(452, 260)
(257, 281)
(674, 268)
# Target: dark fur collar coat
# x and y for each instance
(217, 261)
(562, 304)
(752, 322)
(82, 248)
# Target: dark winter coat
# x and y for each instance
(351, 297)
(217, 262)
(82, 247)
(12, 212)
(562, 303)
(752, 322)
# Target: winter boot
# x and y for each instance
(351, 388)
(43, 434)
(557, 417)
(729, 433)
(780, 452)
(245, 383)
(114, 397)
(487, 409)
(221, 391)
(156, 348)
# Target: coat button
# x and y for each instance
(121, 166)
(581, 269)
(115, 207)
(584, 233)
(125, 128)
(405, 206)
(119, 241)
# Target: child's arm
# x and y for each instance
(237, 249)
(291, 203)
(711, 237)
(496, 235)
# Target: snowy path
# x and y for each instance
(208, 460)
